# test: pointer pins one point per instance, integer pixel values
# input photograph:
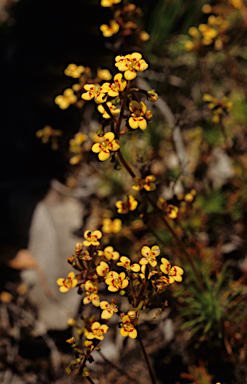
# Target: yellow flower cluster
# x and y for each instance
(48, 133)
(218, 107)
(65, 100)
(75, 147)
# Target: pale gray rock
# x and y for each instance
(51, 242)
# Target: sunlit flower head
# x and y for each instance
(111, 107)
(97, 331)
(118, 86)
(174, 273)
(109, 253)
(102, 269)
(66, 284)
(126, 263)
(108, 144)
(116, 281)
(74, 70)
(92, 238)
(108, 309)
(129, 64)
(137, 116)
(94, 91)
(149, 255)
(65, 100)
(111, 226)
(109, 30)
(104, 74)
(91, 290)
(129, 204)
(128, 328)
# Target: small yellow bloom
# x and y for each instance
(119, 85)
(6, 297)
(170, 210)
(143, 270)
(70, 282)
(116, 281)
(104, 74)
(125, 206)
(91, 290)
(147, 183)
(92, 238)
(128, 328)
(74, 71)
(108, 309)
(129, 64)
(48, 133)
(102, 269)
(109, 253)
(109, 3)
(95, 91)
(138, 110)
(109, 30)
(104, 112)
(144, 36)
(149, 255)
(65, 100)
(125, 262)
(75, 146)
(98, 331)
(112, 226)
(174, 273)
(108, 144)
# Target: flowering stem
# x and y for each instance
(150, 369)
(89, 379)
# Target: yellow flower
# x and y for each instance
(147, 183)
(129, 64)
(138, 111)
(98, 331)
(112, 108)
(174, 273)
(128, 328)
(149, 255)
(118, 85)
(48, 133)
(111, 226)
(104, 74)
(108, 144)
(144, 36)
(129, 205)
(109, 30)
(68, 97)
(109, 3)
(92, 238)
(94, 91)
(102, 269)
(116, 281)
(171, 210)
(109, 253)
(91, 290)
(70, 282)
(74, 71)
(75, 146)
(108, 309)
(125, 262)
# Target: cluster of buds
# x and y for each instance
(49, 134)
(125, 20)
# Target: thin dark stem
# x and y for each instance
(122, 371)
(124, 101)
(89, 379)
(150, 369)
(125, 164)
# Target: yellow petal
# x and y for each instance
(115, 145)
(60, 281)
(63, 289)
(104, 155)
(96, 148)
(133, 333)
(135, 267)
(110, 136)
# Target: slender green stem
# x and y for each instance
(150, 369)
